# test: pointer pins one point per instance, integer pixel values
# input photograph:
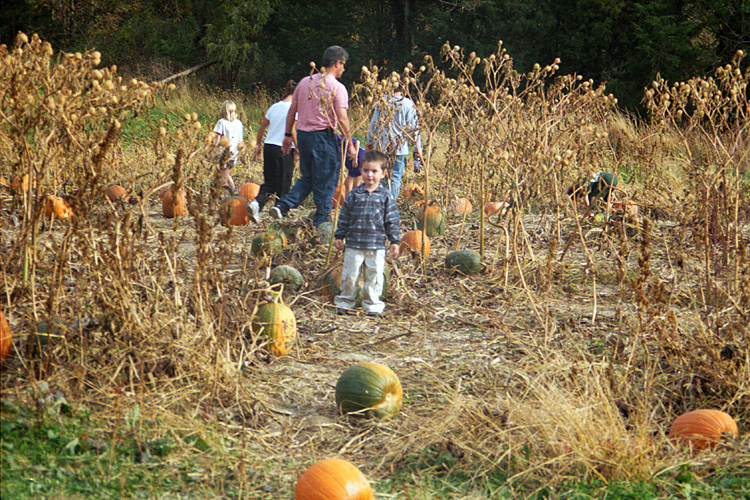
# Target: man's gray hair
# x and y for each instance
(333, 54)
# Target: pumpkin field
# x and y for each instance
(157, 344)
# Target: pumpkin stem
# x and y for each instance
(277, 295)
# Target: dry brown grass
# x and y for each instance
(568, 357)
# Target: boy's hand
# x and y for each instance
(339, 244)
(394, 250)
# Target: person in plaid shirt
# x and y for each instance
(367, 218)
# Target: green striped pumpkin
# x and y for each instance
(277, 322)
(269, 242)
(369, 390)
(433, 219)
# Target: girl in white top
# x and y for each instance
(229, 127)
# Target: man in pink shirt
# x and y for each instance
(319, 106)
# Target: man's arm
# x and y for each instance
(291, 117)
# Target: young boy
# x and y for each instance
(368, 216)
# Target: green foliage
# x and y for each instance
(232, 35)
(622, 43)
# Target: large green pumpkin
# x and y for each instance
(277, 322)
(369, 390)
(464, 261)
(287, 275)
(269, 242)
(433, 220)
(330, 283)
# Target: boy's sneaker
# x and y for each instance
(276, 213)
(255, 212)
(342, 311)
(374, 315)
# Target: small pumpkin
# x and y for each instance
(331, 284)
(268, 242)
(464, 261)
(234, 211)
(333, 479)
(432, 218)
(702, 428)
(20, 183)
(276, 321)
(412, 242)
(369, 390)
(413, 192)
(287, 275)
(6, 338)
(249, 191)
(461, 206)
(338, 196)
(165, 188)
(54, 205)
(174, 204)
(116, 192)
(496, 207)
(630, 209)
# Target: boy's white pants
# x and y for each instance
(374, 274)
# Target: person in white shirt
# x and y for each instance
(277, 166)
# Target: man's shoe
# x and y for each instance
(374, 315)
(254, 212)
(276, 213)
(341, 311)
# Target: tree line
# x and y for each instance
(623, 43)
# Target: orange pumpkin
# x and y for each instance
(20, 184)
(631, 209)
(413, 192)
(338, 196)
(57, 206)
(333, 479)
(412, 241)
(234, 211)
(116, 192)
(174, 205)
(461, 206)
(702, 428)
(6, 339)
(164, 189)
(496, 207)
(249, 191)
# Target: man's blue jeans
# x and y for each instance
(319, 166)
(397, 172)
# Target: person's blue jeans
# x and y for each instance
(397, 172)
(319, 166)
